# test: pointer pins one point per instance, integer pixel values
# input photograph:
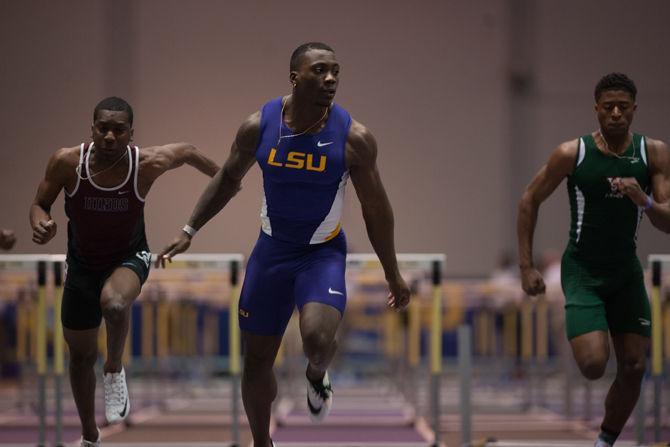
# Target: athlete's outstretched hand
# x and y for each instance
(399, 296)
(631, 188)
(532, 281)
(7, 239)
(179, 245)
(43, 232)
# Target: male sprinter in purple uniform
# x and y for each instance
(307, 148)
(106, 182)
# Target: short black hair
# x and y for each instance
(115, 104)
(304, 48)
(615, 81)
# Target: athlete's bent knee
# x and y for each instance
(317, 345)
(113, 306)
(256, 370)
(632, 370)
(593, 368)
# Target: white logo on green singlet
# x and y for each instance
(614, 192)
(644, 322)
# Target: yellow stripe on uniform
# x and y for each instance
(334, 233)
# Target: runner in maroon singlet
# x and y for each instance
(105, 182)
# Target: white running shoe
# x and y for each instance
(319, 399)
(117, 404)
(601, 443)
(85, 443)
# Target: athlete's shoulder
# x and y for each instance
(361, 144)
(562, 160)
(659, 154)
(656, 145)
(68, 152)
(248, 134)
(66, 157)
(62, 165)
(251, 123)
(250, 126)
(341, 112)
(567, 149)
(275, 102)
(270, 110)
(359, 135)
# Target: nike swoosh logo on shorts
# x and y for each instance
(320, 144)
(334, 292)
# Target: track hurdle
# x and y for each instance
(33, 326)
(659, 316)
(185, 345)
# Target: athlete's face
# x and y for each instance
(111, 132)
(615, 110)
(317, 77)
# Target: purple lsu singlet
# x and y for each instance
(304, 176)
(300, 255)
(106, 225)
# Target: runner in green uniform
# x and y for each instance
(610, 173)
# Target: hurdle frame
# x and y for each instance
(43, 264)
(655, 262)
(235, 262)
(437, 262)
(46, 263)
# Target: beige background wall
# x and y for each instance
(431, 79)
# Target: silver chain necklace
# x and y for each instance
(78, 168)
(611, 152)
(281, 121)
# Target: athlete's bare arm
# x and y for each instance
(60, 174)
(377, 212)
(156, 160)
(659, 167)
(560, 165)
(225, 184)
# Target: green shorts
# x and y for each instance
(604, 297)
(80, 308)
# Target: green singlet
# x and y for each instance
(601, 275)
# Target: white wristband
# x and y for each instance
(189, 230)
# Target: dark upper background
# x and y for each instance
(466, 99)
